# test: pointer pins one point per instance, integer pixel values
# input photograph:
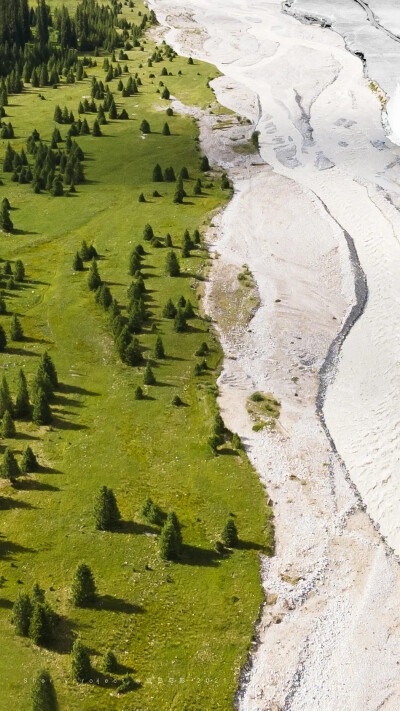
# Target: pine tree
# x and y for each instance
(16, 331)
(43, 694)
(148, 233)
(159, 348)
(80, 662)
(3, 340)
(106, 512)
(5, 220)
(180, 325)
(168, 542)
(148, 376)
(96, 131)
(94, 280)
(77, 264)
(165, 94)
(145, 126)
(29, 462)
(22, 613)
(197, 187)
(230, 534)
(138, 395)
(85, 252)
(6, 402)
(133, 353)
(172, 264)
(168, 240)
(204, 164)
(83, 589)
(58, 118)
(157, 174)
(169, 310)
(110, 663)
(184, 174)
(40, 628)
(46, 364)
(180, 193)
(7, 426)
(189, 311)
(41, 409)
(173, 520)
(19, 271)
(196, 237)
(166, 130)
(9, 468)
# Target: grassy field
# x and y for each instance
(182, 629)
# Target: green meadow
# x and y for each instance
(181, 629)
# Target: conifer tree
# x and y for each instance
(168, 542)
(145, 126)
(5, 220)
(159, 348)
(168, 240)
(19, 271)
(83, 589)
(96, 129)
(43, 695)
(180, 192)
(29, 462)
(7, 426)
(173, 520)
(106, 512)
(77, 264)
(41, 409)
(47, 366)
(110, 663)
(148, 233)
(6, 402)
(22, 613)
(180, 325)
(165, 94)
(94, 280)
(196, 237)
(58, 115)
(230, 534)
(157, 174)
(197, 187)
(40, 628)
(148, 376)
(138, 395)
(172, 264)
(184, 174)
(16, 331)
(133, 353)
(9, 468)
(204, 164)
(169, 310)
(189, 311)
(166, 130)
(80, 662)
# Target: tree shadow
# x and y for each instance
(6, 503)
(16, 231)
(62, 424)
(5, 604)
(228, 451)
(116, 604)
(25, 436)
(62, 401)
(8, 549)
(48, 470)
(34, 485)
(250, 546)
(21, 352)
(136, 528)
(66, 633)
(202, 557)
(75, 390)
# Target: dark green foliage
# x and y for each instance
(103, 296)
(41, 625)
(134, 263)
(156, 194)
(180, 192)
(83, 589)
(3, 307)
(3, 340)
(152, 512)
(148, 233)
(21, 614)
(138, 393)
(159, 348)
(255, 139)
(22, 404)
(225, 184)
(168, 240)
(145, 126)
(214, 442)
(94, 280)
(148, 376)
(29, 462)
(87, 253)
(9, 468)
(127, 684)
(110, 663)
(236, 442)
(106, 512)
(43, 695)
(184, 174)
(141, 198)
(166, 130)
(219, 427)
(169, 111)
(5, 220)
(189, 311)
(169, 310)
(80, 662)
(230, 534)
(7, 426)
(204, 164)
(169, 175)
(133, 353)
(19, 271)
(16, 331)
(176, 401)
(96, 131)
(7, 270)
(6, 402)
(169, 546)
(197, 187)
(180, 325)
(203, 350)
(77, 264)
(157, 174)
(172, 267)
(47, 366)
(41, 409)
(181, 302)
(165, 94)
(196, 237)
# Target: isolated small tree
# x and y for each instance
(41, 409)
(94, 280)
(5, 219)
(148, 376)
(230, 534)
(190, 60)
(7, 426)
(138, 395)
(166, 130)
(80, 662)
(16, 331)
(47, 366)
(9, 468)
(110, 663)
(159, 351)
(77, 264)
(173, 520)
(180, 325)
(197, 187)
(85, 251)
(166, 94)
(83, 589)
(168, 542)
(203, 350)
(172, 264)
(204, 164)
(106, 512)
(148, 233)
(141, 198)
(29, 462)
(145, 126)
(19, 271)
(236, 442)
(157, 174)
(43, 695)
(22, 613)
(168, 240)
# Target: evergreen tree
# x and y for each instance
(204, 164)
(138, 395)
(19, 271)
(3, 307)
(7, 426)
(173, 520)
(83, 589)
(5, 220)
(184, 174)
(168, 542)
(29, 462)
(133, 353)
(112, 111)
(96, 129)
(230, 534)
(16, 331)
(43, 694)
(197, 187)
(169, 175)
(9, 468)
(159, 351)
(58, 118)
(165, 94)
(77, 264)
(203, 350)
(110, 663)
(148, 233)
(196, 237)
(148, 376)
(41, 409)
(106, 512)
(189, 311)
(145, 126)
(22, 613)
(180, 325)
(180, 193)
(169, 310)
(157, 174)
(172, 265)
(141, 198)
(40, 628)
(168, 240)
(47, 366)
(94, 280)
(57, 189)
(80, 662)
(6, 402)
(166, 130)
